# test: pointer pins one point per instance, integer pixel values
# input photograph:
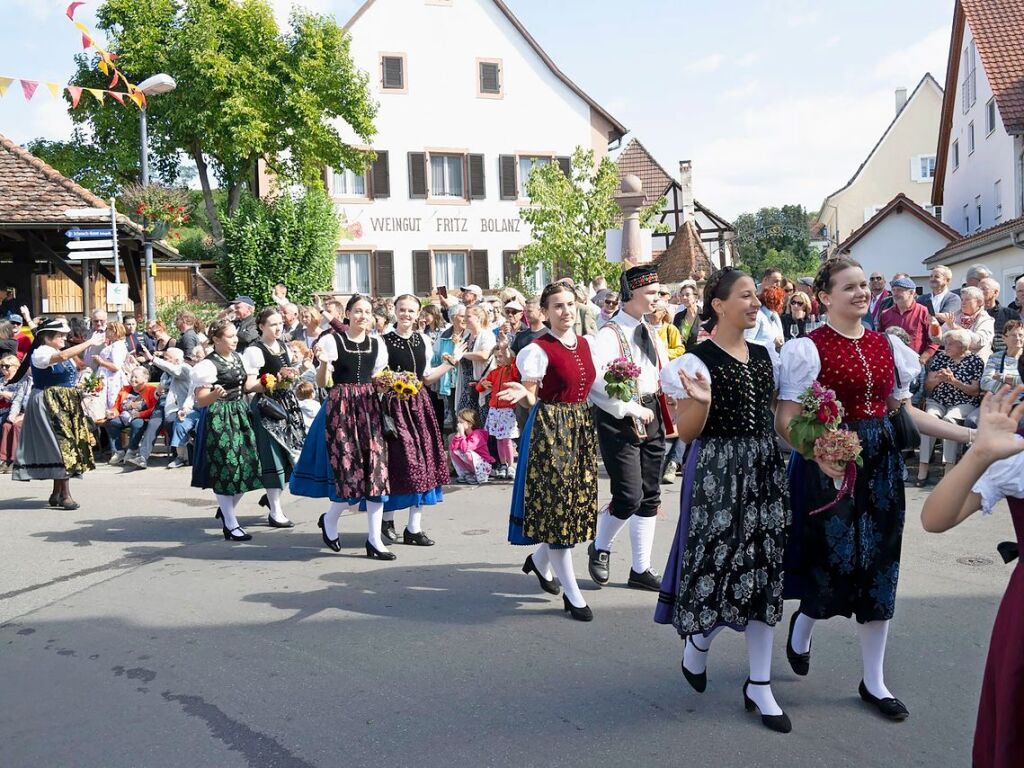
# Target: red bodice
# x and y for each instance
(860, 371)
(570, 372)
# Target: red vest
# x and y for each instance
(570, 373)
(861, 372)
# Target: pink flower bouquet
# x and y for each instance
(620, 379)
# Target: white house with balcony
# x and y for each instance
(981, 141)
(469, 105)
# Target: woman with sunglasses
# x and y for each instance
(794, 320)
(609, 306)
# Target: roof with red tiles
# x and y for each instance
(898, 205)
(686, 258)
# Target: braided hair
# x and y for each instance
(718, 286)
(823, 280)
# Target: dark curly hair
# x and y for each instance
(718, 286)
(823, 280)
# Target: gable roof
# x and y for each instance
(998, 28)
(618, 129)
(898, 205)
(926, 79)
(1007, 231)
(686, 258)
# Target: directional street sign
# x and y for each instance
(88, 233)
(79, 255)
(87, 245)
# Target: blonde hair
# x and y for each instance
(482, 314)
(960, 336)
(118, 329)
(945, 272)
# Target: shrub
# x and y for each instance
(167, 310)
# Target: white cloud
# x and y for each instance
(742, 92)
(908, 65)
(707, 64)
(746, 60)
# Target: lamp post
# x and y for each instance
(151, 86)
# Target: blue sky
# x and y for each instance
(774, 101)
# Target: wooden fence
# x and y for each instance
(60, 296)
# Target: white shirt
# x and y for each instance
(42, 356)
(253, 356)
(693, 365)
(204, 373)
(328, 351)
(937, 299)
(485, 342)
(767, 329)
(1003, 478)
(606, 347)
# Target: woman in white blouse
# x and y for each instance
(480, 343)
(110, 363)
(973, 319)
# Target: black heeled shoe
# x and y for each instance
(277, 524)
(551, 586)
(417, 539)
(697, 681)
(332, 544)
(388, 532)
(890, 707)
(219, 515)
(372, 552)
(778, 723)
(800, 662)
(230, 535)
(580, 614)
(264, 501)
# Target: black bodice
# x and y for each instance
(230, 374)
(355, 361)
(741, 394)
(406, 354)
(272, 363)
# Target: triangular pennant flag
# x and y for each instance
(28, 87)
(97, 93)
(54, 89)
(5, 83)
(118, 96)
(72, 8)
(81, 27)
(138, 98)
(117, 76)
(103, 67)
(86, 41)
(76, 94)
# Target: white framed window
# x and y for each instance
(352, 272)
(347, 183)
(970, 138)
(526, 165)
(446, 178)
(450, 268)
(969, 87)
(997, 200)
(934, 210)
(967, 218)
(922, 168)
(977, 210)
(990, 116)
(955, 152)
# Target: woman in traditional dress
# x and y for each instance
(345, 457)
(55, 442)
(993, 469)
(278, 440)
(845, 560)
(417, 461)
(226, 459)
(554, 498)
(725, 567)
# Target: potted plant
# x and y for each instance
(156, 207)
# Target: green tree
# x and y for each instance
(285, 240)
(569, 216)
(85, 163)
(777, 237)
(246, 92)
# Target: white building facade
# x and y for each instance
(468, 105)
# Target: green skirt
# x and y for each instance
(228, 461)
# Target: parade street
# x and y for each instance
(134, 635)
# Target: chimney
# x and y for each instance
(901, 99)
(686, 187)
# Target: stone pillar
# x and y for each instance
(630, 199)
(686, 190)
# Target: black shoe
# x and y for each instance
(580, 614)
(890, 707)
(648, 580)
(699, 682)
(922, 482)
(417, 539)
(597, 564)
(54, 500)
(277, 524)
(800, 662)
(550, 586)
(264, 501)
(219, 515)
(231, 535)
(779, 723)
(388, 532)
(332, 544)
(372, 552)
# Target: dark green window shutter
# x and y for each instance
(417, 175)
(383, 273)
(490, 78)
(476, 177)
(478, 269)
(507, 177)
(510, 266)
(565, 163)
(421, 273)
(380, 176)
(392, 73)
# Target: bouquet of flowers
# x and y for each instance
(91, 384)
(401, 384)
(815, 433)
(279, 383)
(621, 379)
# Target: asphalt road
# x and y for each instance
(133, 635)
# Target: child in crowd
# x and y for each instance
(305, 393)
(501, 415)
(468, 446)
(306, 364)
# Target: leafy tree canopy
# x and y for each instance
(776, 237)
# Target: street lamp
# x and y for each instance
(151, 86)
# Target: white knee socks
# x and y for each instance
(389, 517)
(561, 564)
(802, 628)
(695, 651)
(641, 536)
(415, 520)
(331, 517)
(759, 652)
(873, 636)
(374, 517)
(542, 562)
(608, 528)
(274, 499)
(227, 510)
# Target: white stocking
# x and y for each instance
(274, 499)
(802, 628)
(759, 652)
(641, 536)
(415, 519)
(389, 516)
(331, 518)
(608, 528)
(227, 510)
(542, 562)
(695, 651)
(561, 564)
(873, 636)
(374, 517)
(238, 499)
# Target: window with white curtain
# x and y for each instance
(346, 183)
(450, 268)
(526, 165)
(352, 272)
(446, 176)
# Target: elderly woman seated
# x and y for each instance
(973, 318)
(953, 388)
(1003, 367)
(132, 408)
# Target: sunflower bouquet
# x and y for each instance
(402, 384)
(278, 383)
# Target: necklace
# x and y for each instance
(575, 341)
(357, 349)
(730, 354)
(844, 335)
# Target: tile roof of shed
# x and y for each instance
(686, 258)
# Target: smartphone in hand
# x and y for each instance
(442, 291)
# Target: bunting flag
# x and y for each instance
(117, 96)
(72, 8)
(86, 41)
(106, 63)
(54, 89)
(97, 93)
(76, 94)
(28, 87)
(5, 83)
(113, 82)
